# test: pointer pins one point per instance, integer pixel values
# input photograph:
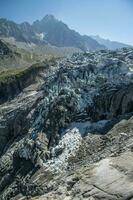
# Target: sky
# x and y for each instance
(111, 19)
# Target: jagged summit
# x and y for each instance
(49, 17)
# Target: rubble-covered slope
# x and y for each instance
(58, 140)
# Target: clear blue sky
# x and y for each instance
(111, 19)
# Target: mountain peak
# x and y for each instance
(49, 17)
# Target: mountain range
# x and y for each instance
(47, 31)
(51, 31)
(112, 45)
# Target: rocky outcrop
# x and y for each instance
(105, 180)
(4, 49)
(61, 135)
(112, 102)
(12, 84)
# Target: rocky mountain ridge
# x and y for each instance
(76, 125)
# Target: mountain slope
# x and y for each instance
(12, 56)
(112, 45)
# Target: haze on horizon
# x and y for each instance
(112, 19)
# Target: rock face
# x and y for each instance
(21, 32)
(12, 84)
(70, 136)
(4, 49)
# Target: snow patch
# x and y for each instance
(40, 35)
(67, 147)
